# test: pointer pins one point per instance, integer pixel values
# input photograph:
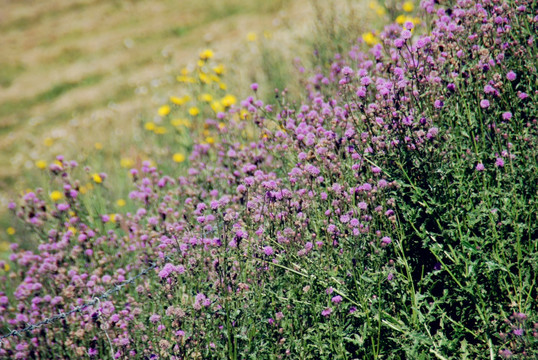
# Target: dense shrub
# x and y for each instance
(390, 215)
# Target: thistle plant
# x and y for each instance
(392, 214)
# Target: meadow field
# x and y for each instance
(238, 179)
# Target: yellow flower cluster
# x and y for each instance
(97, 178)
(56, 196)
(370, 38)
(41, 164)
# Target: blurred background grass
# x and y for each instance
(79, 78)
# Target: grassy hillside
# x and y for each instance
(74, 74)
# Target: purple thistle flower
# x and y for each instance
(336, 299)
(480, 167)
(385, 241)
(406, 34)
(511, 76)
(484, 104)
(92, 352)
(507, 115)
(499, 162)
(326, 312)
(154, 318)
(268, 250)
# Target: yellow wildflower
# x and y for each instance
(83, 190)
(41, 164)
(56, 195)
(217, 106)
(184, 71)
(206, 97)
(126, 162)
(204, 78)
(370, 39)
(112, 218)
(267, 34)
(178, 157)
(223, 86)
(164, 110)
(185, 79)
(206, 54)
(160, 130)
(98, 146)
(408, 6)
(120, 203)
(251, 36)
(219, 69)
(6, 267)
(194, 111)
(243, 114)
(10, 231)
(48, 142)
(72, 229)
(177, 100)
(4, 246)
(228, 100)
(97, 178)
(149, 126)
(210, 140)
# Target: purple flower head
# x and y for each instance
(331, 229)
(92, 352)
(385, 241)
(336, 299)
(154, 318)
(63, 206)
(399, 43)
(347, 71)
(511, 76)
(406, 34)
(484, 104)
(268, 250)
(480, 167)
(326, 312)
(499, 162)
(254, 86)
(507, 115)
(518, 332)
